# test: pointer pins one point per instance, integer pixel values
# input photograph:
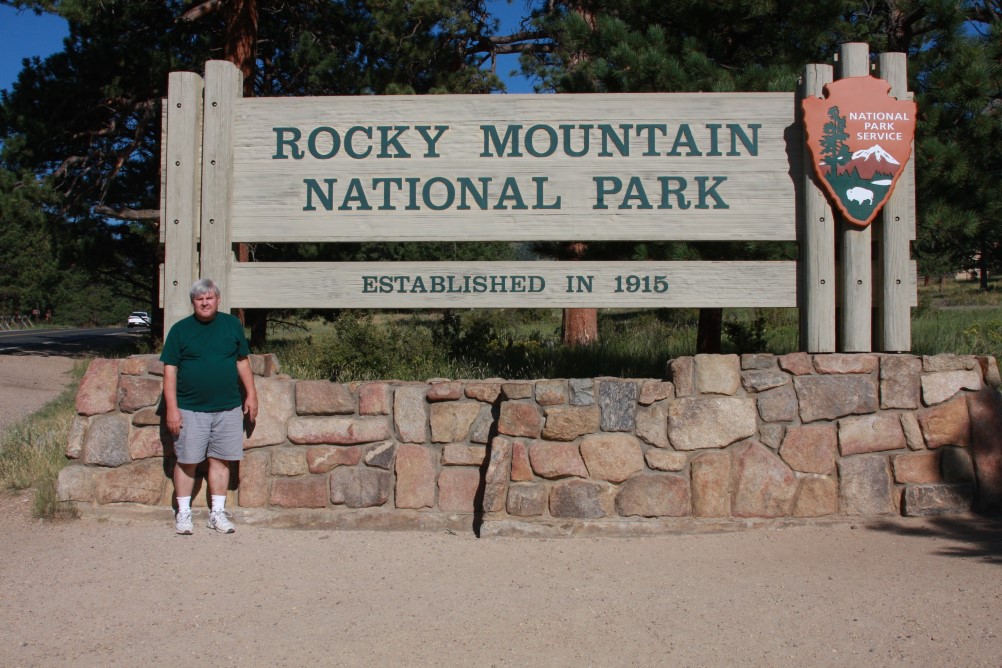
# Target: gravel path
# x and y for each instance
(130, 592)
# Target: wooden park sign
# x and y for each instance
(576, 168)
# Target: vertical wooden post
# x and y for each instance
(896, 231)
(181, 223)
(857, 268)
(816, 231)
(223, 86)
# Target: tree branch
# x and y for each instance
(200, 10)
(126, 213)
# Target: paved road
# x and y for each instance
(80, 341)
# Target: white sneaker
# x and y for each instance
(183, 523)
(220, 521)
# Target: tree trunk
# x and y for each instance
(983, 268)
(580, 325)
(708, 335)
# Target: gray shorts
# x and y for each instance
(217, 435)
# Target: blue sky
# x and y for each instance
(23, 35)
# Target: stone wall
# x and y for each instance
(723, 439)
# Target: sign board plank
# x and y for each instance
(540, 284)
(680, 166)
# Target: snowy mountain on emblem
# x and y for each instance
(873, 160)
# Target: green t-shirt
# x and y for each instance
(205, 354)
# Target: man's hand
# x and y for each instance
(174, 421)
(250, 408)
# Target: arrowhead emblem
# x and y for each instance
(860, 139)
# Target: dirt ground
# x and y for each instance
(126, 593)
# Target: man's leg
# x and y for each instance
(219, 476)
(184, 484)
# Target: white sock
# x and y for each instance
(184, 504)
(218, 503)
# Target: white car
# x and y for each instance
(139, 319)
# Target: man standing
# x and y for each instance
(205, 365)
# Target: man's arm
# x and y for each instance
(250, 392)
(170, 399)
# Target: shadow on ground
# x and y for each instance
(972, 537)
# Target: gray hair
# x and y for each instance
(201, 287)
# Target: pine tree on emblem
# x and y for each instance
(833, 147)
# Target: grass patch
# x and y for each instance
(33, 450)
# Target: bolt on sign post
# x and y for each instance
(629, 167)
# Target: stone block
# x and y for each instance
(374, 399)
(457, 454)
(924, 500)
(652, 391)
(617, 401)
(710, 422)
(582, 391)
(711, 484)
(758, 361)
(338, 430)
(521, 469)
(841, 363)
(410, 413)
(566, 423)
(265, 365)
(445, 391)
(956, 464)
(526, 500)
(990, 371)
(360, 487)
(870, 433)
(146, 443)
(380, 455)
(138, 392)
(498, 475)
(276, 406)
(515, 391)
(652, 424)
(75, 438)
(288, 462)
(485, 392)
(778, 405)
(811, 448)
(416, 476)
(942, 385)
(763, 485)
(986, 447)
(551, 392)
(457, 489)
(900, 381)
(946, 424)
(322, 459)
(581, 499)
(865, 485)
(913, 431)
(139, 482)
(818, 497)
(301, 492)
(799, 364)
(451, 421)
(98, 392)
(480, 432)
(520, 418)
(134, 365)
(682, 374)
(762, 380)
(107, 441)
(651, 495)
(612, 457)
(771, 435)
(666, 460)
(718, 374)
(917, 468)
(253, 477)
(556, 460)
(146, 417)
(832, 397)
(76, 483)
(949, 362)
(320, 397)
